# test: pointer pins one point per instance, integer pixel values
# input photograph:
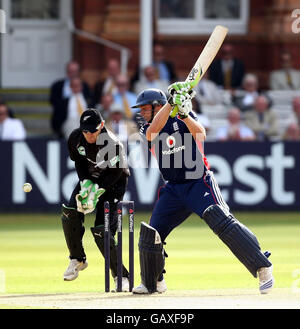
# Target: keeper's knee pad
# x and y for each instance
(152, 256)
(73, 230)
(98, 233)
(240, 240)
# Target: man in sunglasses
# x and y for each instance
(102, 170)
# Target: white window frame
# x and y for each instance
(199, 25)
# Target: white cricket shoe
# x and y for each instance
(266, 279)
(161, 287)
(74, 267)
(125, 284)
(141, 289)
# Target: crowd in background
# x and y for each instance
(227, 92)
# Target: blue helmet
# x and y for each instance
(152, 97)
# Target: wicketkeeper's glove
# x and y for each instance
(88, 196)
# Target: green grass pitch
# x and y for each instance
(34, 255)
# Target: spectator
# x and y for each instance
(150, 80)
(235, 130)
(208, 92)
(287, 78)
(125, 97)
(61, 91)
(262, 119)
(105, 105)
(244, 98)
(10, 129)
(292, 133)
(295, 115)
(165, 68)
(227, 71)
(10, 110)
(119, 125)
(67, 114)
(108, 85)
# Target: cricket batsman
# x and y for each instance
(103, 174)
(177, 144)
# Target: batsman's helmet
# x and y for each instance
(152, 97)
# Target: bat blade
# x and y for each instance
(206, 57)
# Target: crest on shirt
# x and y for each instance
(175, 126)
(170, 141)
(81, 150)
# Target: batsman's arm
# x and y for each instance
(195, 128)
(158, 122)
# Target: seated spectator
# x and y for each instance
(10, 129)
(150, 80)
(10, 110)
(61, 91)
(104, 105)
(235, 129)
(108, 84)
(244, 98)
(262, 119)
(164, 68)
(207, 92)
(66, 116)
(292, 133)
(228, 71)
(125, 97)
(294, 117)
(119, 125)
(287, 78)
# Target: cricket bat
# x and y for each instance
(206, 57)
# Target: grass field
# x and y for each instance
(34, 254)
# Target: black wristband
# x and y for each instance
(182, 116)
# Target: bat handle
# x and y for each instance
(174, 111)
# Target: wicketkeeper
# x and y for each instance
(190, 187)
(102, 170)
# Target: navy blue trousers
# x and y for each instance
(176, 202)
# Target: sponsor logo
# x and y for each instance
(114, 160)
(174, 150)
(171, 141)
(206, 194)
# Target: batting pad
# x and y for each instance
(152, 259)
(239, 239)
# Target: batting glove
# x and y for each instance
(183, 100)
(178, 87)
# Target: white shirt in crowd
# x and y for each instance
(73, 115)
(244, 132)
(12, 130)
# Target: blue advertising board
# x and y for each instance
(251, 175)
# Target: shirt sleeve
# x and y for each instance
(80, 163)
